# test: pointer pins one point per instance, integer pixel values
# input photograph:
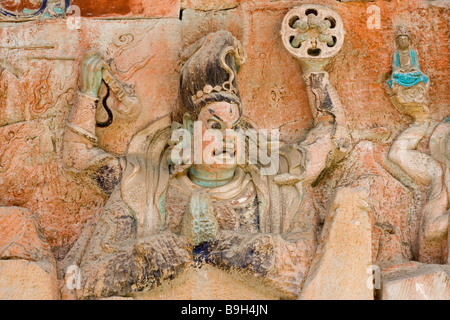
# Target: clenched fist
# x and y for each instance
(91, 73)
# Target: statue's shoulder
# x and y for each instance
(158, 131)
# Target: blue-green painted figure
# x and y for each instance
(405, 63)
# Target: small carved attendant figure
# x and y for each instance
(405, 63)
(408, 86)
(408, 90)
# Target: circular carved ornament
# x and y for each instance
(311, 32)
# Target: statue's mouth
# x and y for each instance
(225, 152)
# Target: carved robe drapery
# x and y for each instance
(281, 242)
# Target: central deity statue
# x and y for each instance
(163, 217)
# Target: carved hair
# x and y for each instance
(209, 74)
(402, 31)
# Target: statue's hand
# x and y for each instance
(91, 73)
(253, 252)
(199, 223)
(407, 70)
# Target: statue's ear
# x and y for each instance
(188, 122)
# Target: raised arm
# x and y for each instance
(329, 140)
(80, 152)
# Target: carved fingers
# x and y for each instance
(200, 224)
(288, 179)
(91, 72)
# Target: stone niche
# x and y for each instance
(41, 55)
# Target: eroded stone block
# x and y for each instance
(21, 237)
(339, 269)
(416, 281)
(26, 280)
(210, 283)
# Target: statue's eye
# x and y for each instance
(212, 124)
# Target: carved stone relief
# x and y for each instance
(9, 10)
(93, 188)
(312, 32)
(408, 87)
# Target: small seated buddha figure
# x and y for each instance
(405, 63)
(408, 85)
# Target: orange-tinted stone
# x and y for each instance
(21, 236)
(14, 5)
(33, 108)
(120, 8)
(26, 280)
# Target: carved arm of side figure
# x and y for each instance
(81, 155)
(328, 141)
(109, 241)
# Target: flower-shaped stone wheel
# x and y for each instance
(312, 32)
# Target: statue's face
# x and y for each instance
(403, 42)
(218, 117)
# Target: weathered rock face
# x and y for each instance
(26, 280)
(22, 237)
(416, 281)
(209, 283)
(395, 222)
(124, 8)
(339, 269)
(62, 204)
(405, 177)
(27, 266)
